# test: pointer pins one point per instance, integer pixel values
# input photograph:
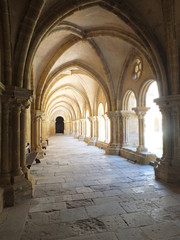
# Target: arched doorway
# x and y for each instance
(59, 125)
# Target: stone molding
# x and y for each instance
(141, 111)
(17, 97)
(39, 114)
(113, 114)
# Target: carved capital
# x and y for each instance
(114, 114)
(169, 105)
(127, 114)
(141, 111)
(39, 114)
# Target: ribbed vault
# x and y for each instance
(80, 54)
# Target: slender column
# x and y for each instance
(43, 127)
(125, 130)
(39, 114)
(106, 128)
(168, 168)
(5, 161)
(114, 145)
(39, 149)
(22, 141)
(16, 168)
(91, 141)
(81, 137)
(33, 131)
(77, 122)
(141, 111)
(96, 131)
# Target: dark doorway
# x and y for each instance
(59, 125)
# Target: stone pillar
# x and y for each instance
(96, 134)
(141, 111)
(81, 136)
(38, 134)
(5, 161)
(125, 128)
(91, 141)
(168, 168)
(114, 145)
(16, 167)
(23, 138)
(106, 128)
(43, 128)
(33, 130)
(77, 123)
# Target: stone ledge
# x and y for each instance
(143, 158)
(167, 173)
(101, 145)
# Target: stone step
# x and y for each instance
(1, 199)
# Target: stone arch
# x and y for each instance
(143, 92)
(126, 99)
(122, 10)
(85, 69)
(64, 103)
(69, 86)
(76, 108)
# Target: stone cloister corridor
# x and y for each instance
(82, 194)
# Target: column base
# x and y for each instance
(166, 173)
(76, 135)
(91, 142)
(131, 154)
(40, 152)
(5, 179)
(81, 138)
(113, 149)
(8, 196)
(141, 149)
(23, 189)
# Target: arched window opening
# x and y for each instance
(87, 124)
(101, 123)
(131, 101)
(153, 122)
(59, 125)
(132, 137)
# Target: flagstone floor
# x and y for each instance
(82, 194)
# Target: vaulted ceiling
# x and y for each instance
(82, 53)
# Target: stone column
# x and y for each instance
(5, 161)
(141, 111)
(168, 168)
(106, 128)
(43, 128)
(81, 136)
(24, 168)
(77, 123)
(38, 133)
(114, 145)
(38, 127)
(96, 134)
(16, 167)
(91, 141)
(125, 127)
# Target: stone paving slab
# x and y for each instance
(82, 194)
